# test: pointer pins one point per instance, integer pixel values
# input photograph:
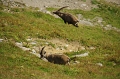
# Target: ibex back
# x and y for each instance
(55, 58)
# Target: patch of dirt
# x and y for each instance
(56, 45)
(61, 46)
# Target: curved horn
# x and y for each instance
(42, 50)
(62, 8)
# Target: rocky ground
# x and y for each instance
(42, 4)
(114, 1)
(52, 46)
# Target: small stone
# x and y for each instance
(76, 62)
(83, 5)
(33, 51)
(99, 64)
(33, 43)
(75, 2)
(20, 45)
(70, 50)
(46, 43)
(29, 39)
(1, 40)
(82, 55)
(66, 45)
(91, 47)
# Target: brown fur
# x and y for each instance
(55, 58)
(68, 18)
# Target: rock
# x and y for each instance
(25, 49)
(33, 51)
(20, 45)
(91, 47)
(75, 2)
(66, 45)
(80, 16)
(13, 4)
(83, 5)
(82, 55)
(48, 12)
(70, 50)
(87, 23)
(46, 43)
(110, 27)
(98, 19)
(76, 62)
(81, 48)
(99, 64)
(22, 66)
(33, 43)
(114, 1)
(114, 64)
(1, 40)
(29, 39)
(36, 54)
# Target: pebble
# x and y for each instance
(99, 64)
(20, 45)
(1, 40)
(82, 55)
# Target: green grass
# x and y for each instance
(24, 22)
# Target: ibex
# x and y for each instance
(68, 18)
(55, 58)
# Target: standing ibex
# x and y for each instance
(55, 58)
(68, 18)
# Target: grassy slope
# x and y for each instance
(14, 63)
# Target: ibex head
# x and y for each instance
(42, 52)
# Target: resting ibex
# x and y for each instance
(68, 18)
(55, 58)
